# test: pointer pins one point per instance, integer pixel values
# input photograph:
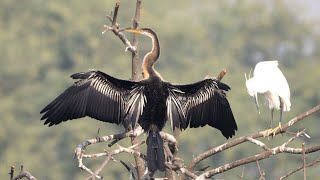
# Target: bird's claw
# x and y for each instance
(276, 129)
(272, 131)
(267, 132)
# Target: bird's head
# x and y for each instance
(143, 31)
(250, 84)
(151, 57)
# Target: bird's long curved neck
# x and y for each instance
(150, 59)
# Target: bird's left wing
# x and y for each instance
(99, 96)
(205, 103)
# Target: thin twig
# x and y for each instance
(129, 169)
(298, 134)
(262, 173)
(11, 173)
(299, 168)
(242, 173)
(304, 161)
(221, 74)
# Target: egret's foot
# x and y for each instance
(267, 132)
(276, 129)
(271, 131)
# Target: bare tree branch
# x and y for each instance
(299, 168)
(21, 175)
(11, 173)
(261, 171)
(132, 176)
(116, 30)
(117, 151)
(304, 162)
(258, 157)
(259, 143)
(221, 74)
(243, 139)
(140, 163)
(79, 151)
(135, 54)
(242, 173)
(179, 167)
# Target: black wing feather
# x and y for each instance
(205, 103)
(96, 95)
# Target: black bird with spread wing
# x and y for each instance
(149, 102)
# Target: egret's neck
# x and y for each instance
(256, 86)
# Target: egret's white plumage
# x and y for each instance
(269, 81)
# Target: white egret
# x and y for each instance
(269, 81)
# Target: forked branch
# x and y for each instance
(116, 29)
(243, 139)
(22, 174)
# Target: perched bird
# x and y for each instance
(149, 102)
(269, 81)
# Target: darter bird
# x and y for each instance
(149, 102)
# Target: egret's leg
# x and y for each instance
(279, 126)
(270, 130)
(280, 119)
(281, 110)
(271, 118)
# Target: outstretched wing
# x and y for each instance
(205, 103)
(99, 96)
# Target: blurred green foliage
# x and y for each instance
(43, 42)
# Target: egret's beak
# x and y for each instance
(136, 31)
(255, 97)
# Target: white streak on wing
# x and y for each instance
(169, 112)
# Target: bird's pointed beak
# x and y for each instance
(136, 31)
(255, 97)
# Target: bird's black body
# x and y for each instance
(155, 110)
(153, 118)
(149, 102)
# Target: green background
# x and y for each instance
(43, 42)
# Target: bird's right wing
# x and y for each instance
(205, 103)
(99, 96)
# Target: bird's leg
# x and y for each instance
(281, 110)
(271, 118)
(279, 126)
(271, 122)
(270, 130)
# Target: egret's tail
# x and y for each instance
(286, 104)
(155, 153)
